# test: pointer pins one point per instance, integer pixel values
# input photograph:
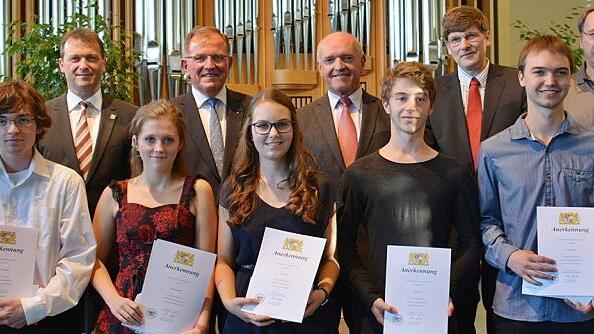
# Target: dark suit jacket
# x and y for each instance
(111, 153)
(319, 134)
(198, 158)
(317, 125)
(505, 101)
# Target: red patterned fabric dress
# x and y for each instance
(137, 227)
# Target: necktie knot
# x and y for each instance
(212, 103)
(475, 82)
(345, 101)
(85, 105)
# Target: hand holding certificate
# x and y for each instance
(566, 235)
(174, 288)
(18, 247)
(418, 285)
(284, 274)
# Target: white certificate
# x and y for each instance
(284, 274)
(18, 246)
(566, 235)
(174, 287)
(418, 285)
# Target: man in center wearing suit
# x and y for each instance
(476, 102)
(89, 131)
(343, 125)
(212, 112)
(213, 115)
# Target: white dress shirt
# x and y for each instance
(93, 113)
(465, 79)
(51, 198)
(355, 109)
(204, 111)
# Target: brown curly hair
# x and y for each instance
(18, 95)
(243, 180)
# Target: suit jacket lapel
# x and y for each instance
(459, 117)
(106, 123)
(367, 124)
(326, 122)
(493, 93)
(62, 124)
(234, 121)
(198, 134)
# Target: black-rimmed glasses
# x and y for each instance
(263, 127)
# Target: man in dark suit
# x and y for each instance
(213, 115)
(100, 152)
(345, 124)
(475, 102)
(83, 61)
(212, 112)
(89, 131)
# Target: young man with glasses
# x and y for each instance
(43, 195)
(473, 103)
(580, 99)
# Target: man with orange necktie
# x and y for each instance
(477, 101)
(343, 125)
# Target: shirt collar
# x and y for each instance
(201, 98)
(466, 77)
(356, 98)
(520, 130)
(581, 77)
(73, 100)
(38, 165)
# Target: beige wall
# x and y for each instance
(535, 14)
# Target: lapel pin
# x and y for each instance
(112, 116)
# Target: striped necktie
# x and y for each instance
(83, 143)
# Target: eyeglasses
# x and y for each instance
(20, 122)
(589, 35)
(470, 37)
(263, 128)
(200, 59)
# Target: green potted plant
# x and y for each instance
(39, 49)
(565, 30)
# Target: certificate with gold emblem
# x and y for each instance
(565, 234)
(418, 285)
(284, 274)
(174, 287)
(18, 248)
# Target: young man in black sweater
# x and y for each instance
(405, 194)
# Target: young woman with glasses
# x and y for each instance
(272, 184)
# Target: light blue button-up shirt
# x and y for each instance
(516, 174)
